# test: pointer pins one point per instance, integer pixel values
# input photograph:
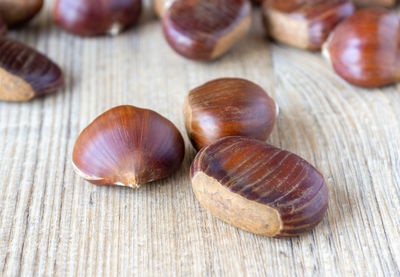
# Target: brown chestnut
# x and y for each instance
(25, 73)
(160, 6)
(205, 29)
(258, 187)
(128, 146)
(228, 107)
(364, 49)
(305, 24)
(383, 3)
(17, 12)
(93, 17)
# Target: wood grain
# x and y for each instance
(54, 223)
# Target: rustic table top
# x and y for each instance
(54, 222)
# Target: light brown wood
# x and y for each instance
(52, 222)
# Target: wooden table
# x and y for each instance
(53, 222)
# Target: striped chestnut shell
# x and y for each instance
(258, 187)
(205, 29)
(128, 146)
(96, 17)
(26, 73)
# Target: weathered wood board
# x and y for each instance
(54, 223)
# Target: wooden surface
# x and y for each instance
(53, 222)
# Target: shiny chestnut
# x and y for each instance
(228, 107)
(258, 187)
(364, 49)
(205, 29)
(305, 24)
(93, 17)
(128, 146)
(17, 12)
(26, 73)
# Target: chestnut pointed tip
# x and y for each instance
(115, 29)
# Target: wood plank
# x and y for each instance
(54, 223)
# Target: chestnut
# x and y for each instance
(17, 12)
(25, 73)
(383, 3)
(93, 17)
(128, 146)
(364, 49)
(304, 24)
(205, 29)
(228, 107)
(258, 187)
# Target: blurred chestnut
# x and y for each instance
(364, 49)
(17, 12)
(383, 3)
(228, 107)
(93, 17)
(26, 73)
(258, 187)
(206, 29)
(128, 146)
(305, 24)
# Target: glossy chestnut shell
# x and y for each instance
(26, 73)
(305, 24)
(258, 187)
(228, 107)
(205, 29)
(128, 146)
(365, 48)
(96, 17)
(17, 12)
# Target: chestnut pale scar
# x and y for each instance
(290, 30)
(14, 88)
(234, 208)
(226, 42)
